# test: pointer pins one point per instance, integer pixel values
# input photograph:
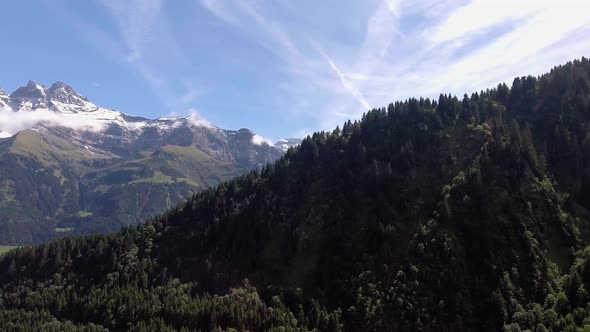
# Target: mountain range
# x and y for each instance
(68, 166)
(454, 214)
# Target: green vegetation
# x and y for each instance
(447, 215)
(47, 148)
(66, 229)
(5, 249)
(48, 184)
(84, 214)
(188, 152)
(158, 177)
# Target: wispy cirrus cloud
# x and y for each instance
(419, 48)
(477, 16)
(299, 66)
(517, 49)
(219, 9)
(152, 49)
(145, 43)
(311, 70)
(348, 85)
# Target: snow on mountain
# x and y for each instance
(63, 93)
(60, 111)
(286, 143)
(35, 106)
(60, 105)
(4, 100)
(29, 97)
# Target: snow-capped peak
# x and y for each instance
(30, 91)
(60, 109)
(59, 97)
(29, 97)
(58, 105)
(63, 93)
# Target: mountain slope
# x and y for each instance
(435, 216)
(81, 168)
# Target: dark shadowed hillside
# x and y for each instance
(460, 214)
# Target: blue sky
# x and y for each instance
(283, 68)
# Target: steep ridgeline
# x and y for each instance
(82, 168)
(448, 215)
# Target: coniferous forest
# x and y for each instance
(463, 213)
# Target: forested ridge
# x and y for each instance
(459, 214)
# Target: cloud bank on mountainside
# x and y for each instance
(12, 122)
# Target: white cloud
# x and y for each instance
(218, 8)
(13, 122)
(259, 140)
(479, 15)
(371, 67)
(456, 47)
(348, 85)
(137, 21)
(267, 32)
(197, 120)
(153, 50)
(515, 52)
(393, 50)
(311, 70)
(143, 41)
(382, 27)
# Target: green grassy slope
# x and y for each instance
(51, 187)
(5, 249)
